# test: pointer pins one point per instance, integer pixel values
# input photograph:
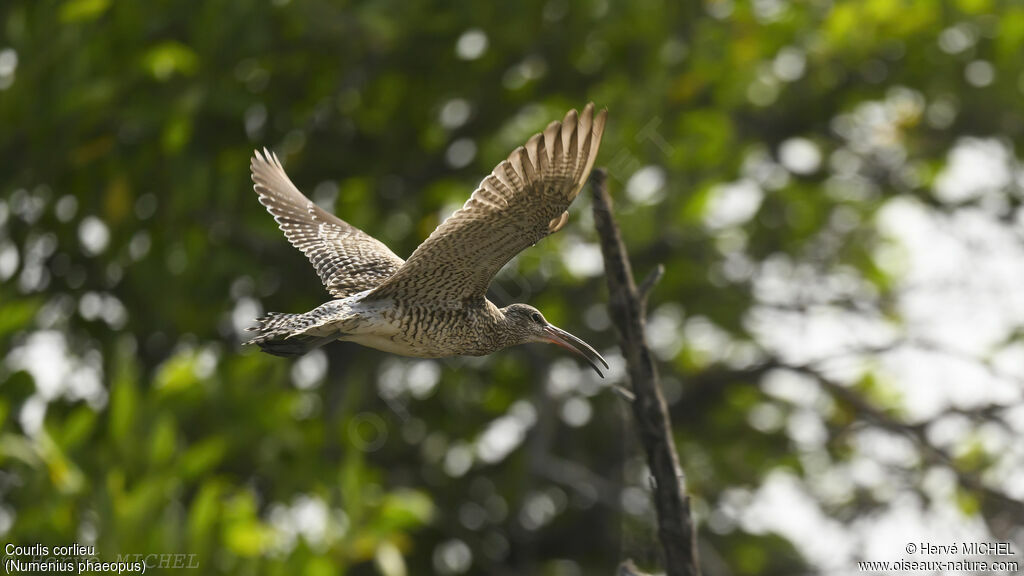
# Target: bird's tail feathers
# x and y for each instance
(285, 334)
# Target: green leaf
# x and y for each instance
(244, 534)
(163, 441)
(405, 509)
(975, 6)
(204, 512)
(18, 387)
(248, 538)
(18, 314)
(77, 428)
(65, 475)
(177, 133)
(168, 59)
(321, 566)
(19, 448)
(200, 458)
(968, 503)
(124, 403)
(177, 373)
(82, 10)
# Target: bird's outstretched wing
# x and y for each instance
(347, 259)
(523, 200)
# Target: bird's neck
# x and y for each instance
(497, 331)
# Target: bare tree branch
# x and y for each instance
(675, 524)
(652, 279)
(628, 568)
(917, 433)
(997, 502)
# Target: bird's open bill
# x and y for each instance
(569, 342)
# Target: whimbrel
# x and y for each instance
(434, 304)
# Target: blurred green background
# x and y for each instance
(773, 154)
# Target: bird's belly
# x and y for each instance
(395, 345)
(420, 332)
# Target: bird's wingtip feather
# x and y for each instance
(533, 147)
(571, 118)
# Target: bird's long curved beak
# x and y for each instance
(556, 335)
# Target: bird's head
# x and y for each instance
(524, 324)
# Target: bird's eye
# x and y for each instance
(536, 317)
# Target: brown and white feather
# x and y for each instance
(522, 201)
(347, 259)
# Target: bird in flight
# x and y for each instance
(434, 304)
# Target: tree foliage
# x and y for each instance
(775, 156)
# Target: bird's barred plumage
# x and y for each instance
(523, 200)
(347, 259)
(285, 334)
(434, 304)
